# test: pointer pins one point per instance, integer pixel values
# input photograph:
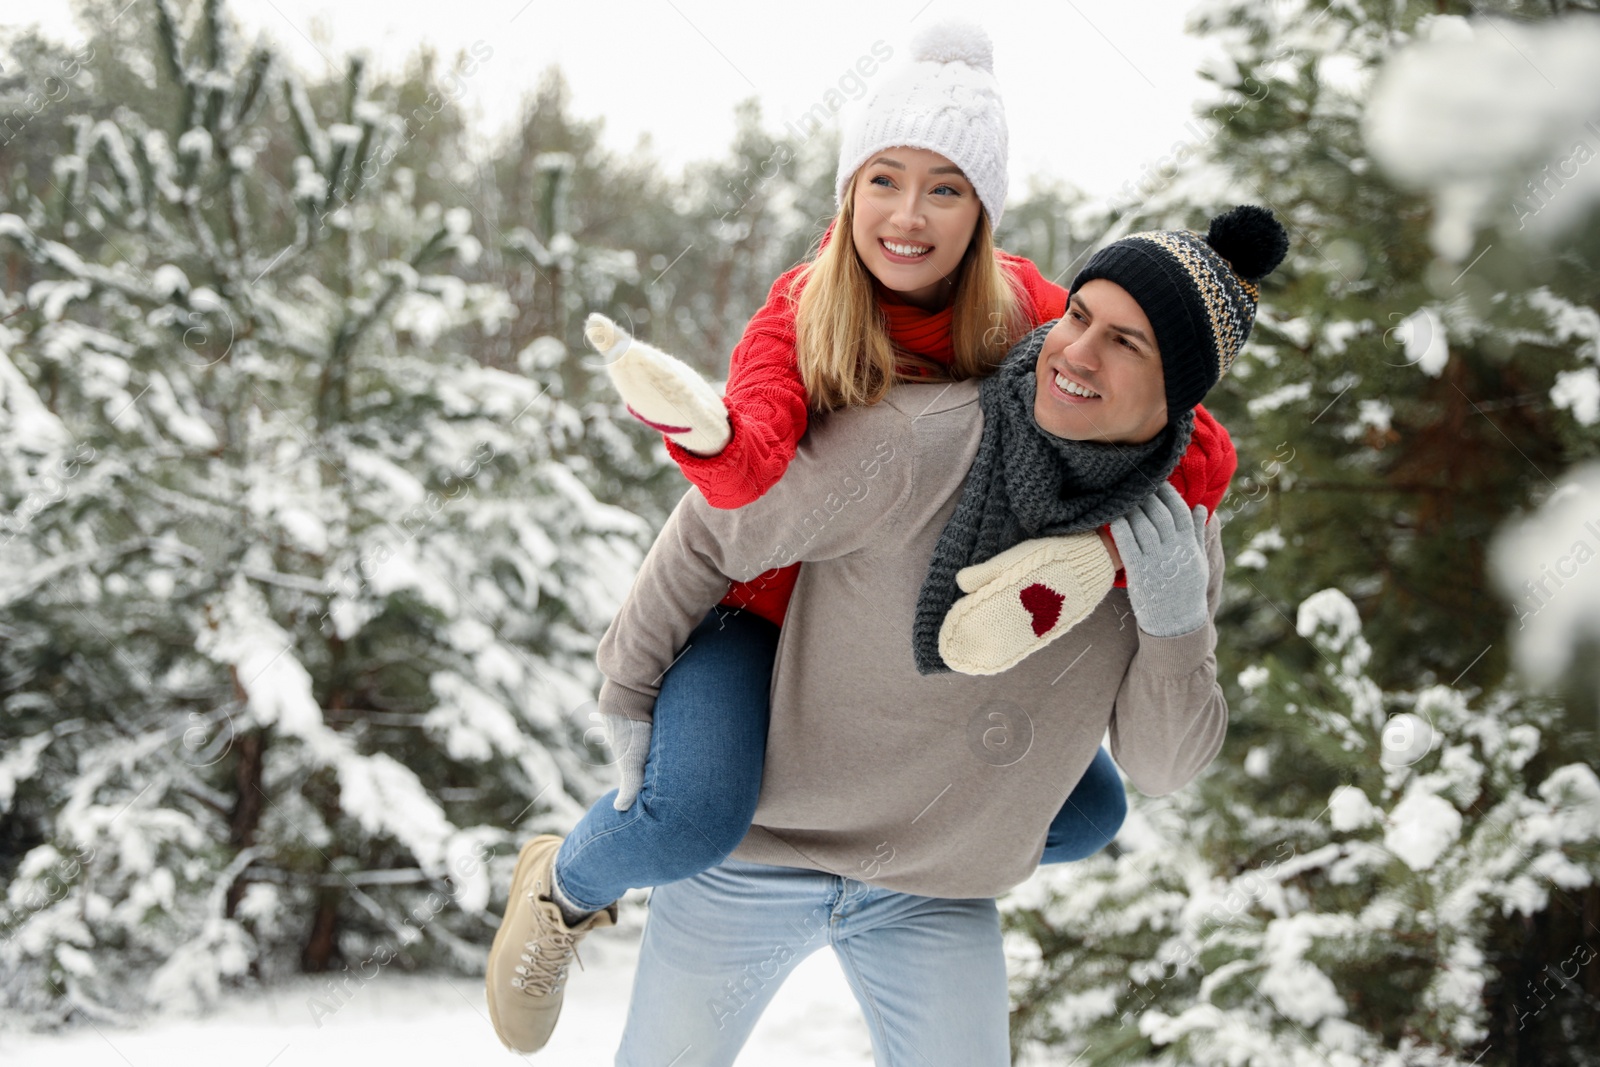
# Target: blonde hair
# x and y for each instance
(842, 339)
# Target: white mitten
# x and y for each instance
(629, 740)
(1023, 599)
(662, 392)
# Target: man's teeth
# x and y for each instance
(907, 250)
(1067, 385)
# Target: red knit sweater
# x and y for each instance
(767, 412)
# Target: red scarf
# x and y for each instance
(916, 331)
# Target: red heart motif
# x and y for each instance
(1044, 604)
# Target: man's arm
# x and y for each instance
(1170, 715)
(849, 479)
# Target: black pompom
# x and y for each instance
(1250, 239)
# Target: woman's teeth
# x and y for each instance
(1067, 385)
(907, 250)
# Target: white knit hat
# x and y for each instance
(945, 100)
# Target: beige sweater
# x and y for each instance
(942, 785)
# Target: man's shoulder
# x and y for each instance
(916, 414)
(906, 404)
(916, 400)
(928, 427)
(913, 419)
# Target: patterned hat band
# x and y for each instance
(1199, 292)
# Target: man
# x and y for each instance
(899, 799)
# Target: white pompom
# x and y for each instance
(954, 41)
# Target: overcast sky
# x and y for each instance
(1093, 88)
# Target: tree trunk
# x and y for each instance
(246, 816)
(322, 946)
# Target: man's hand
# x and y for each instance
(1162, 542)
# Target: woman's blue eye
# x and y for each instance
(950, 189)
(877, 178)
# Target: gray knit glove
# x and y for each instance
(629, 740)
(1162, 543)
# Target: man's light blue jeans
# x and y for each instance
(929, 973)
(703, 776)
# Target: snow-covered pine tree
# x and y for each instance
(1358, 931)
(760, 212)
(1396, 852)
(295, 595)
(683, 263)
(1057, 226)
(701, 252)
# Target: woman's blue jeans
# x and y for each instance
(703, 776)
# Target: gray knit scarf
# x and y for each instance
(1026, 483)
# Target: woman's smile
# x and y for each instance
(906, 251)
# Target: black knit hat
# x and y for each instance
(1199, 292)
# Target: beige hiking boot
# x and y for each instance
(528, 962)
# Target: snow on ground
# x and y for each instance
(401, 1019)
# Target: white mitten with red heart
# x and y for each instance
(1023, 599)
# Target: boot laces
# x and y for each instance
(546, 956)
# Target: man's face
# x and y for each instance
(1103, 346)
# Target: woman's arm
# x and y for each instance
(767, 409)
(1043, 300)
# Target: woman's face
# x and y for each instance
(1104, 346)
(914, 213)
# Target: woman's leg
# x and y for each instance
(1091, 816)
(930, 975)
(716, 948)
(703, 775)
